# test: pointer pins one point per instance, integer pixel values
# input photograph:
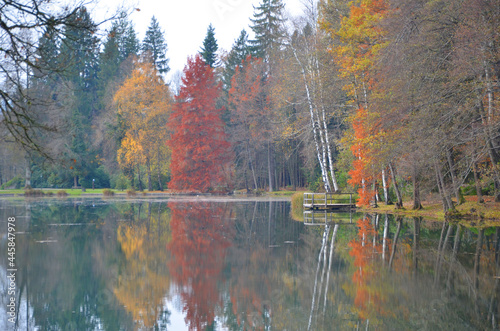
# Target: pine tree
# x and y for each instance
(240, 51)
(154, 42)
(110, 57)
(126, 37)
(47, 53)
(267, 26)
(121, 43)
(80, 53)
(210, 47)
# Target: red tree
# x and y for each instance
(200, 151)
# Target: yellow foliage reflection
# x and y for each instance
(143, 279)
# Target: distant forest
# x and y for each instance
(388, 98)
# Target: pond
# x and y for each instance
(213, 264)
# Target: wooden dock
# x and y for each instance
(328, 201)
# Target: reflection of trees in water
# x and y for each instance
(69, 274)
(434, 284)
(62, 268)
(143, 280)
(200, 238)
(248, 266)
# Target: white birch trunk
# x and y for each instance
(320, 156)
(384, 183)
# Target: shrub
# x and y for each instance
(108, 193)
(33, 193)
(62, 193)
(15, 182)
(120, 182)
(131, 192)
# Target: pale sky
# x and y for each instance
(185, 22)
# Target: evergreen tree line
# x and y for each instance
(69, 93)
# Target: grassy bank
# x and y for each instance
(54, 192)
(471, 211)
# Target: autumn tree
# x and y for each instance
(143, 106)
(200, 151)
(249, 109)
(357, 41)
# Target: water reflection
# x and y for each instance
(212, 265)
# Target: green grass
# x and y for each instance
(298, 206)
(70, 192)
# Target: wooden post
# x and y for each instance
(326, 204)
(312, 201)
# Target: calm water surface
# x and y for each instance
(93, 264)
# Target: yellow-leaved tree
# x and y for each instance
(143, 105)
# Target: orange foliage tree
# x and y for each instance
(200, 150)
(360, 174)
(361, 39)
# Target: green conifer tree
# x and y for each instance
(241, 49)
(80, 54)
(268, 28)
(209, 48)
(154, 42)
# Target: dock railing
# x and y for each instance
(327, 200)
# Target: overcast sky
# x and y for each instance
(185, 22)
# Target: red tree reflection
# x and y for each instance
(200, 238)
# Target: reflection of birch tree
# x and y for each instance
(326, 265)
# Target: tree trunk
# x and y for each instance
(479, 192)
(456, 186)
(160, 185)
(158, 168)
(399, 203)
(27, 183)
(417, 204)
(150, 182)
(386, 193)
(269, 168)
(376, 197)
(447, 203)
(251, 167)
(139, 178)
(494, 158)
